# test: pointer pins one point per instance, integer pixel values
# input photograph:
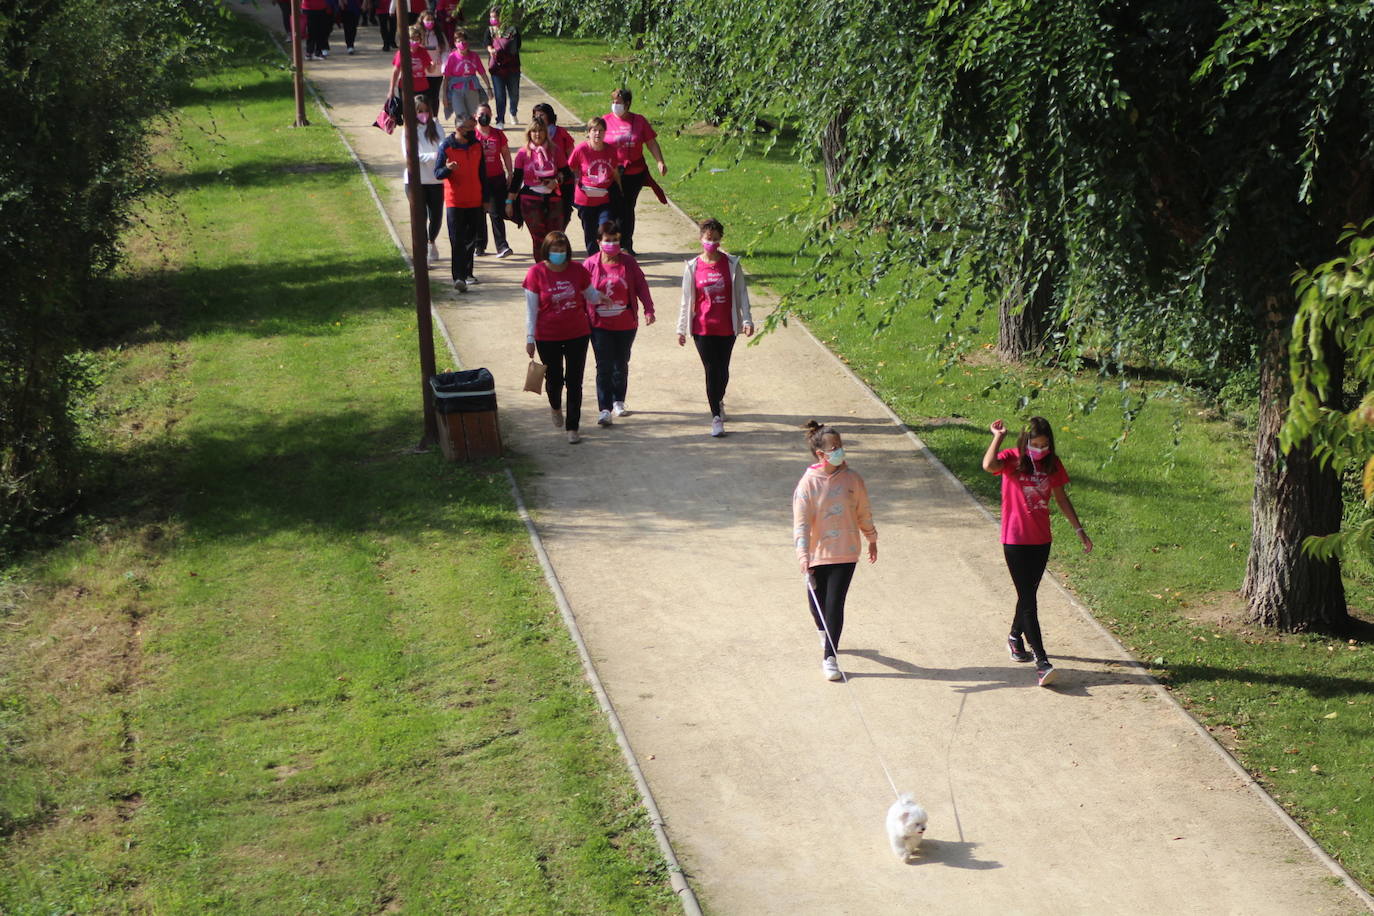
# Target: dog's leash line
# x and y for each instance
(949, 773)
(815, 602)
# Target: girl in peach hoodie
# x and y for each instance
(829, 512)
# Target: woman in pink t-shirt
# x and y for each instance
(715, 308)
(597, 183)
(558, 293)
(615, 320)
(630, 135)
(1031, 474)
(464, 77)
(536, 181)
(830, 513)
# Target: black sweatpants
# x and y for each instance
(464, 224)
(714, 351)
(612, 349)
(566, 361)
(832, 587)
(631, 185)
(1026, 563)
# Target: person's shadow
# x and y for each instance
(980, 678)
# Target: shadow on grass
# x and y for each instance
(262, 299)
(333, 472)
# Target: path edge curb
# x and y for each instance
(677, 877)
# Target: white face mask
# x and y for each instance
(618, 109)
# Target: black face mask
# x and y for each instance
(484, 120)
(466, 136)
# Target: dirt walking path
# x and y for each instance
(1095, 796)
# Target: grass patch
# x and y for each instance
(284, 664)
(1168, 507)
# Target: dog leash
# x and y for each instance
(820, 615)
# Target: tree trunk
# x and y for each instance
(1023, 310)
(832, 151)
(1294, 497)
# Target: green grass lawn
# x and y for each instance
(282, 664)
(1168, 507)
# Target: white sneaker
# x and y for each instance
(618, 409)
(830, 669)
(504, 253)
(350, 49)
(500, 125)
(460, 285)
(604, 419)
(324, 52)
(717, 427)
(433, 252)
(557, 418)
(573, 437)
(473, 281)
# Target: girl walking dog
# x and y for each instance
(1031, 473)
(829, 512)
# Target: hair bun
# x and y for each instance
(812, 425)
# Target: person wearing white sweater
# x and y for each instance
(427, 140)
(715, 309)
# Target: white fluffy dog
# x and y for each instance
(906, 826)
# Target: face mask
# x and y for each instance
(834, 458)
(429, 25)
(461, 47)
(494, 23)
(1036, 454)
(422, 117)
(484, 120)
(557, 257)
(708, 245)
(610, 247)
(618, 109)
(465, 135)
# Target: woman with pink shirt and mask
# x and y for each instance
(830, 511)
(715, 309)
(464, 78)
(1031, 473)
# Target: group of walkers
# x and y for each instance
(592, 300)
(471, 180)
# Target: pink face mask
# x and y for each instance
(1036, 454)
(429, 25)
(709, 245)
(462, 47)
(493, 22)
(610, 247)
(422, 117)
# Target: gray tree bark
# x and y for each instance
(1294, 497)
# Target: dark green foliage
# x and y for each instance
(83, 81)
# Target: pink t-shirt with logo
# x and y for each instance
(595, 173)
(538, 164)
(628, 136)
(621, 283)
(1026, 499)
(420, 63)
(464, 65)
(714, 309)
(562, 311)
(492, 145)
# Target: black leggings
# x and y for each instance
(566, 361)
(832, 587)
(715, 351)
(433, 196)
(1026, 562)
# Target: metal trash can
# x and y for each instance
(465, 406)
